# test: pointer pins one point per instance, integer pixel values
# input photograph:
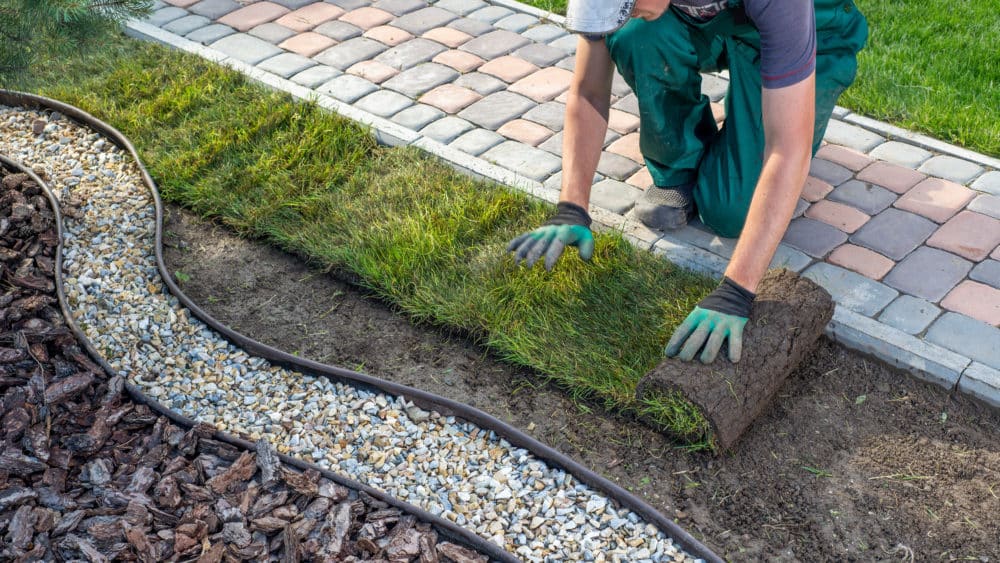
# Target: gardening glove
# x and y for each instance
(569, 227)
(721, 315)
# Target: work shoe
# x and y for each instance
(666, 209)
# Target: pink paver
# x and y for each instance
(310, 16)
(641, 179)
(936, 199)
(373, 71)
(866, 262)
(388, 35)
(968, 234)
(844, 217)
(447, 36)
(562, 98)
(253, 15)
(848, 158)
(891, 176)
(976, 300)
(543, 85)
(450, 98)
(815, 189)
(182, 3)
(508, 68)
(459, 60)
(524, 131)
(622, 121)
(307, 44)
(367, 17)
(628, 146)
(996, 254)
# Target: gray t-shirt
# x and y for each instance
(787, 35)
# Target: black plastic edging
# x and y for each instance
(424, 399)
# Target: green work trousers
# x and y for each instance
(662, 60)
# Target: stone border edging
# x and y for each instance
(421, 398)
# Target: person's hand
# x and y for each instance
(569, 227)
(719, 317)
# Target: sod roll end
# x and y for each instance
(788, 317)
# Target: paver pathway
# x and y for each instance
(903, 230)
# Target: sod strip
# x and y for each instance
(412, 230)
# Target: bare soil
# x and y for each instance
(854, 461)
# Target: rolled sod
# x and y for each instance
(788, 317)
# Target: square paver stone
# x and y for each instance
(347, 88)
(449, 37)
(988, 182)
(891, 176)
(846, 157)
(867, 197)
(307, 44)
(567, 43)
(477, 141)
(851, 290)
(187, 24)
(338, 30)
(315, 76)
(894, 233)
(286, 64)
(968, 234)
(163, 16)
(951, 168)
(214, 9)
(411, 53)
(272, 32)
(310, 16)
(903, 154)
(987, 204)
(813, 237)
(420, 79)
(367, 17)
(474, 28)
(829, 172)
(294, 4)
(976, 300)
(545, 33)
(524, 131)
(496, 109)
(967, 336)
(550, 114)
(424, 20)
(389, 35)
(629, 104)
(929, 273)
(617, 197)
(450, 98)
(936, 199)
(417, 117)
(348, 53)
(459, 60)
(246, 48)
(461, 7)
(373, 71)
(866, 262)
(844, 217)
(446, 129)
(516, 22)
(480, 83)
(543, 85)
(383, 103)
(399, 7)
(857, 138)
(495, 44)
(988, 272)
(616, 166)
(210, 33)
(253, 15)
(491, 14)
(540, 54)
(349, 5)
(910, 314)
(524, 160)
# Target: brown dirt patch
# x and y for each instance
(853, 462)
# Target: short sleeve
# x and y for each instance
(787, 40)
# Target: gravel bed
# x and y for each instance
(446, 466)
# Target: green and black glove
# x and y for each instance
(720, 316)
(569, 227)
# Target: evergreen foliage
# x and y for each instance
(27, 26)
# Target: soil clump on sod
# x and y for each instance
(853, 461)
(88, 474)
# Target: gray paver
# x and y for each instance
(271, 32)
(210, 33)
(516, 22)
(338, 31)
(831, 173)
(417, 117)
(286, 64)
(894, 233)
(482, 84)
(988, 272)
(539, 54)
(424, 20)
(697, 234)
(411, 53)
(349, 5)
(813, 237)
(567, 43)
(163, 16)
(496, 109)
(477, 141)
(545, 32)
(494, 44)
(315, 76)
(383, 103)
(399, 7)
(616, 166)
(187, 24)
(553, 144)
(951, 168)
(157, 4)
(618, 85)
(421, 78)
(293, 4)
(628, 104)
(568, 63)
(246, 48)
(903, 154)
(522, 159)
(461, 7)
(851, 290)
(349, 52)
(474, 28)
(214, 9)
(491, 14)
(554, 182)
(987, 204)
(347, 88)
(549, 114)
(446, 129)
(929, 273)
(967, 336)
(617, 197)
(852, 136)
(981, 381)
(714, 87)
(867, 197)
(788, 257)
(910, 314)
(800, 208)
(989, 183)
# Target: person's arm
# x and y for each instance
(788, 115)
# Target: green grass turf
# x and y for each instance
(407, 227)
